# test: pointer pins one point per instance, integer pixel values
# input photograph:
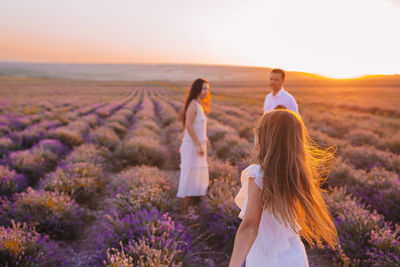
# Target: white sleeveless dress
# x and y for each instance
(275, 245)
(194, 176)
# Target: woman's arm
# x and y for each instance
(190, 116)
(248, 229)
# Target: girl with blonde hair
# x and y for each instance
(281, 198)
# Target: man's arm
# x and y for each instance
(266, 104)
(293, 105)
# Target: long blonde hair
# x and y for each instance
(294, 169)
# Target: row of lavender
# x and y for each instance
(50, 148)
(60, 205)
(140, 231)
(22, 132)
(357, 128)
(17, 120)
(143, 227)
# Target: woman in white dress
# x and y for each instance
(280, 198)
(194, 177)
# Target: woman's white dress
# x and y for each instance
(275, 245)
(194, 177)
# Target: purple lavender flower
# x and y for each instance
(148, 229)
(23, 246)
(50, 212)
(11, 182)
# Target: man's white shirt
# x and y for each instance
(281, 98)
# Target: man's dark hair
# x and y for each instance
(280, 71)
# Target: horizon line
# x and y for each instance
(321, 75)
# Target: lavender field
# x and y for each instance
(89, 172)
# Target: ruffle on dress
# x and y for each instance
(253, 171)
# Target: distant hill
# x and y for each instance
(8, 60)
(175, 73)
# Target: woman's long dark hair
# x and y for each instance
(193, 93)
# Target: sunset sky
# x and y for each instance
(335, 38)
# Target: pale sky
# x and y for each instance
(335, 38)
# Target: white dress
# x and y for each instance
(275, 245)
(194, 177)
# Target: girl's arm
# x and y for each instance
(248, 229)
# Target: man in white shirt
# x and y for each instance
(278, 95)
